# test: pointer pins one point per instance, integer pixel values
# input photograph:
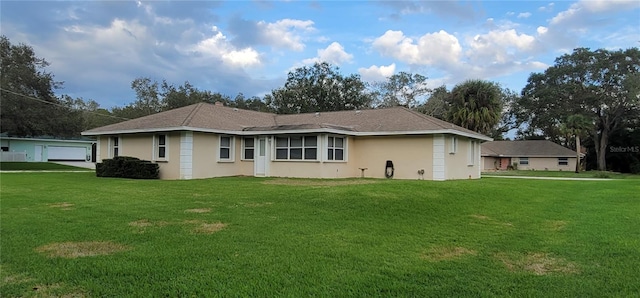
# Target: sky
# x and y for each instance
(97, 48)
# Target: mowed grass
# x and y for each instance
(37, 166)
(563, 174)
(75, 235)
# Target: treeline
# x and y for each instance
(588, 95)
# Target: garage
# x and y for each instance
(67, 153)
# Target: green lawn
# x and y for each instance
(66, 234)
(566, 174)
(37, 166)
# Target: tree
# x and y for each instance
(437, 103)
(475, 105)
(577, 125)
(319, 88)
(402, 89)
(597, 84)
(28, 104)
(148, 98)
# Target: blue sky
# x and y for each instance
(98, 47)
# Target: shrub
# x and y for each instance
(127, 167)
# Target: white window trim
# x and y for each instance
(471, 153)
(520, 161)
(111, 146)
(453, 146)
(156, 147)
(288, 159)
(325, 148)
(231, 149)
(255, 141)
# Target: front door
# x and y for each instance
(37, 155)
(261, 157)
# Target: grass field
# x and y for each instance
(564, 174)
(75, 235)
(37, 166)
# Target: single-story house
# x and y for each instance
(44, 149)
(527, 155)
(210, 140)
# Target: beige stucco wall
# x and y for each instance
(457, 164)
(409, 154)
(546, 163)
(205, 158)
(489, 163)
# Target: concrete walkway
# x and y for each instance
(548, 178)
(80, 164)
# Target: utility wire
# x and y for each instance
(60, 105)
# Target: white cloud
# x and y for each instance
(436, 49)
(377, 73)
(218, 47)
(333, 54)
(283, 33)
(524, 15)
(549, 7)
(578, 13)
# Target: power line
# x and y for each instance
(60, 105)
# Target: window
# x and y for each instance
(226, 149)
(115, 146)
(249, 148)
(454, 145)
(471, 153)
(335, 148)
(563, 161)
(161, 146)
(297, 148)
(524, 161)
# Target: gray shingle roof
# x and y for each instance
(209, 117)
(527, 148)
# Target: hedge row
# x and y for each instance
(127, 167)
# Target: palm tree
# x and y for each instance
(475, 105)
(577, 125)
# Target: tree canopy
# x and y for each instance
(475, 105)
(596, 84)
(28, 104)
(319, 88)
(402, 89)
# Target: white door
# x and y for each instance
(37, 155)
(261, 157)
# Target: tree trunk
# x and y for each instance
(577, 154)
(602, 153)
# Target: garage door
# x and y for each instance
(67, 153)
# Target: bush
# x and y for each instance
(127, 167)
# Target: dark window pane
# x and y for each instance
(339, 154)
(330, 154)
(115, 141)
(115, 152)
(161, 140)
(330, 143)
(281, 153)
(161, 152)
(248, 142)
(310, 153)
(296, 141)
(295, 154)
(224, 153)
(339, 143)
(310, 141)
(248, 153)
(282, 142)
(225, 141)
